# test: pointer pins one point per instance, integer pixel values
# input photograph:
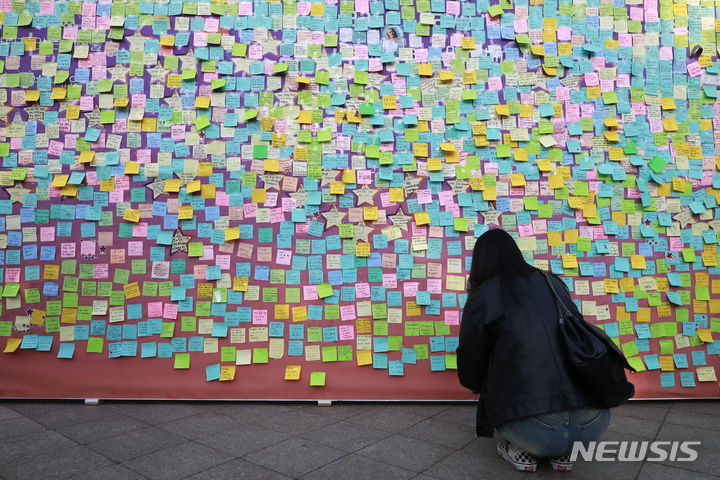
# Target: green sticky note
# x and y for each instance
(702, 293)
(260, 151)
(495, 10)
(317, 379)
(329, 354)
(11, 290)
(95, 345)
(324, 290)
(657, 164)
(171, 63)
(182, 361)
(217, 83)
(460, 224)
(188, 324)
(188, 73)
(227, 354)
(239, 50)
(666, 347)
(202, 122)
(451, 361)
(689, 255)
(107, 117)
(167, 330)
(260, 355)
(249, 114)
(195, 249)
(280, 68)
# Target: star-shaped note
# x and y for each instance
(5, 111)
(361, 231)
(400, 219)
(334, 217)
(62, 105)
(271, 180)
(300, 197)
(328, 176)
(365, 195)
(189, 60)
(375, 79)
(491, 216)
(94, 117)
(241, 65)
(459, 186)
(186, 178)
(157, 186)
(174, 101)
(118, 73)
(179, 242)
(137, 41)
(17, 192)
(158, 74)
(35, 112)
(271, 46)
(412, 184)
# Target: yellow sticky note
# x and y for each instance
(12, 345)
(131, 168)
(292, 372)
(232, 233)
(32, 95)
(503, 110)
(468, 43)
(185, 212)
(370, 213)
(425, 70)
(86, 156)
(422, 218)
(337, 187)
(193, 186)
(259, 195)
(131, 215)
(172, 185)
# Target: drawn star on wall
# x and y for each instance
(300, 197)
(157, 186)
(35, 112)
(174, 101)
(328, 176)
(188, 60)
(158, 74)
(361, 231)
(365, 195)
(119, 73)
(17, 192)
(136, 40)
(491, 216)
(94, 117)
(271, 180)
(400, 219)
(179, 242)
(5, 111)
(334, 217)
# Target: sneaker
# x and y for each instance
(519, 459)
(561, 464)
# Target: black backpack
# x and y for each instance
(595, 364)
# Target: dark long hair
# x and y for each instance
(496, 255)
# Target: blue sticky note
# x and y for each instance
(437, 363)
(67, 350)
(148, 350)
(395, 368)
(409, 355)
(212, 372)
(652, 362)
(667, 379)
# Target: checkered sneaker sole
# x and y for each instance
(519, 459)
(561, 464)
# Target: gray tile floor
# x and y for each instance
(239, 440)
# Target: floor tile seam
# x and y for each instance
(324, 465)
(103, 438)
(277, 471)
(142, 454)
(452, 451)
(57, 427)
(247, 453)
(214, 466)
(357, 450)
(657, 432)
(122, 464)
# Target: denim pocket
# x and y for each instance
(593, 429)
(529, 434)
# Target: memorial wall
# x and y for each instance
(279, 199)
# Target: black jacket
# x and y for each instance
(508, 351)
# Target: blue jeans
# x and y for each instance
(552, 434)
